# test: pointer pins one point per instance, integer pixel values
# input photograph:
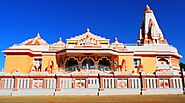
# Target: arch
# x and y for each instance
(71, 64)
(104, 63)
(163, 63)
(166, 60)
(90, 64)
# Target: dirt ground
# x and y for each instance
(95, 99)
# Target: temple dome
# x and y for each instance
(58, 45)
(35, 41)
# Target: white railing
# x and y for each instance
(23, 83)
(7, 83)
(66, 83)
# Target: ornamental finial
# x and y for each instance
(38, 35)
(60, 39)
(88, 30)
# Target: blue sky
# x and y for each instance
(22, 19)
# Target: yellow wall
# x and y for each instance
(13, 62)
(149, 64)
(129, 62)
(46, 59)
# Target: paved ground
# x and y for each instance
(95, 99)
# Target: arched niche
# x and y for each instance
(88, 63)
(104, 64)
(71, 64)
(163, 63)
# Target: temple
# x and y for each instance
(89, 64)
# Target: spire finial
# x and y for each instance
(88, 30)
(148, 7)
(60, 39)
(115, 39)
(148, 10)
(38, 35)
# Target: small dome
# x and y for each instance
(35, 41)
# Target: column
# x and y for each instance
(44, 83)
(116, 82)
(58, 84)
(112, 63)
(96, 64)
(171, 83)
(144, 83)
(73, 83)
(129, 83)
(80, 62)
(1, 84)
(158, 85)
(31, 83)
(16, 83)
(101, 83)
(86, 83)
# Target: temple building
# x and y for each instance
(91, 61)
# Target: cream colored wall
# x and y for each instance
(175, 62)
(129, 62)
(13, 62)
(48, 58)
(149, 64)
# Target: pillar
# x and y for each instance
(129, 83)
(171, 83)
(86, 85)
(80, 62)
(16, 83)
(96, 64)
(112, 63)
(58, 84)
(143, 81)
(116, 82)
(31, 83)
(73, 83)
(44, 83)
(101, 84)
(158, 85)
(1, 84)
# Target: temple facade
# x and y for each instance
(89, 64)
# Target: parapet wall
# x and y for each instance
(90, 84)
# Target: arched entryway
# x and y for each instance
(71, 64)
(104, 64)
(88, 63)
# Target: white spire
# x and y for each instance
(150, 32)
(38, 35)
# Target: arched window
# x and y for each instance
(88, 63)
(71, 64)
(104, 64)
